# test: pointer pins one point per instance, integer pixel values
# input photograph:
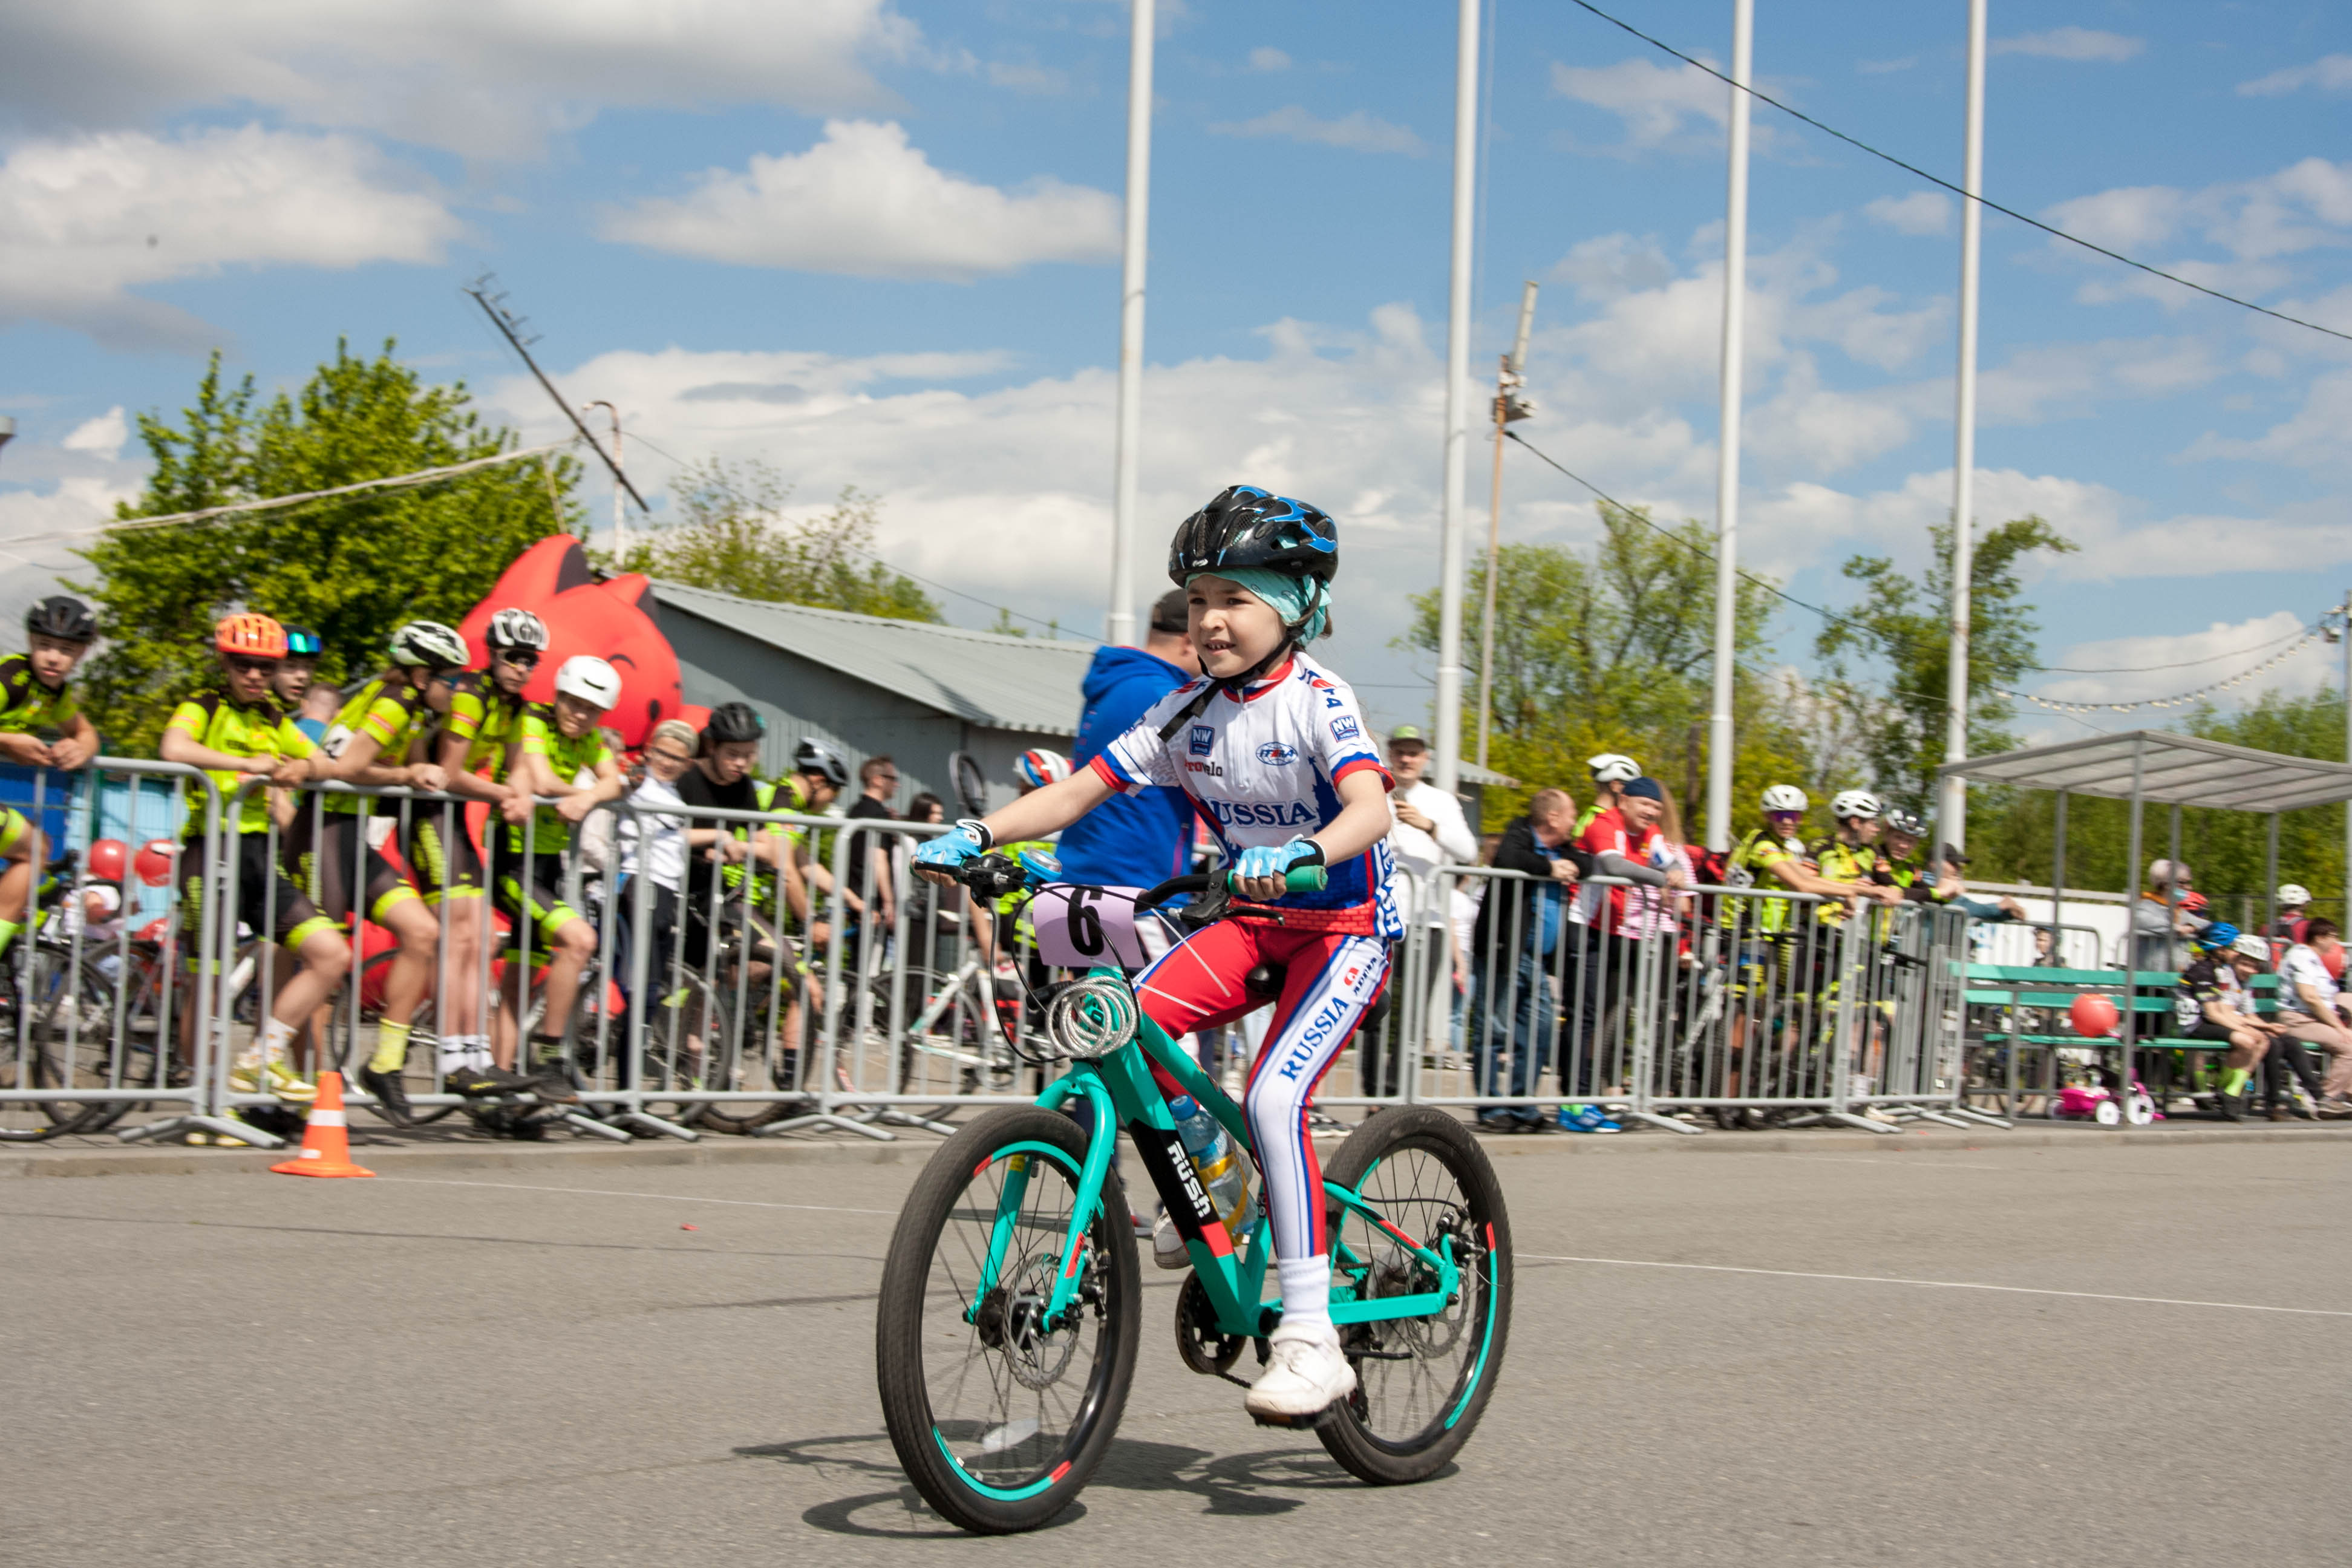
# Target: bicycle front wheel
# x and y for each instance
(999, 1412)
(1423, 1383)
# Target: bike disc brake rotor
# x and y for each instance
(1011, 1322)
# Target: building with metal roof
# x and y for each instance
(868, 686)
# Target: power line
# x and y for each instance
(2071, 709)
(1986, 201)
(271, 503)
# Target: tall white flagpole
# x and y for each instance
(1951, 813)
(1457, 398)
(1119, 625)
(1722, 746)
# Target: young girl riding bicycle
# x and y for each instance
(1274, 753)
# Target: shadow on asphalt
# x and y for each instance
(1269, 1481)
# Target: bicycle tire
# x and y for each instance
(923, 1327)
(27, 1060)
(1393, 1431)
(73, 1018)
(143, 1037)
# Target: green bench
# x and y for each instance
(2019, 988)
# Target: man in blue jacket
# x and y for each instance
(1132, 841)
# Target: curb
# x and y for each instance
(393, 1157)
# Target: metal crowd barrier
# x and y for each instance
(2014, 943)
(788, 973)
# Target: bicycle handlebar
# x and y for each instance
(992, 875)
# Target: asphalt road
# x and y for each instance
(515, 1368)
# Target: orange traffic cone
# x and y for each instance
(326, 1139)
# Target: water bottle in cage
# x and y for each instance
(1222, 1171)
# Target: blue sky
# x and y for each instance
(876, 245)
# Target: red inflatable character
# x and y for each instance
(613, 619)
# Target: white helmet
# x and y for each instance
(2294, 895)
(2248, 945)
(589, 679)
(511, 627)
(428, 645)
(1854, 803)
(1785, 797)
(1613, 767)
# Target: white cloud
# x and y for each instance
(1920, 213)
(2329, 73)
(102, 436)
(492, 78)
(865, 202)
(1358, 130)
(2305, 206)
(2072, 43)
(2164, 667)
(1265, 58)
(2313, 439)
(1885, 68)
(1656, 103)
(86, 220)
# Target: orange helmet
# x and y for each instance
(255, 636)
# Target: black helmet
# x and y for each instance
(816, 757)
(64, 617)
(1245, 526)
(732, 722)
(302, 642)
(511, 627)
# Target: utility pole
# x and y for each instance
(1509, 407)
(2346, 634)
(1119, 625)
(1457, 397)
(510, 326)
(1721, 752)
(7, 429)
(1952, 811)
(619, 517)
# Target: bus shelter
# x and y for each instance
(2157, 766)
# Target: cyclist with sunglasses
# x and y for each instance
(374, 741)
(35, 697)
(484, 718)
(237, 732)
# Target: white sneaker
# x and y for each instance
(1305, 1376)
(1167, 1245)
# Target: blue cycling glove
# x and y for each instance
(952, 849)
(1275, 859)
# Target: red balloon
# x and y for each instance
(153, 861)
(105, 858)
(2094, 1015)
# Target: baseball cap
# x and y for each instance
(1407, 735)
(1168, 614)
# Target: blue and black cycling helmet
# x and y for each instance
(1245, 526)
(2216, 937)
(302, 642)
(64, 617)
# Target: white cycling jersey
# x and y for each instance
(1261, 769)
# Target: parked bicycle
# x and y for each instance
(1011, 1304)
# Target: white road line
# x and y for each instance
(1936, 1284)
(605, 1193)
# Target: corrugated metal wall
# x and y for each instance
(799, 698)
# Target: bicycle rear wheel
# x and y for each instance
(1000, 1416)
(1421, 1383)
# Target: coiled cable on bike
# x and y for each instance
(1091, 1017)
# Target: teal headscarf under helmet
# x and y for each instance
(1303, 603)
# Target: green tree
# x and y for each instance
(1613, 650)
(352, 568)
(733, 537)
(1888, 660)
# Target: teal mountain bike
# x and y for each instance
(1011, 1298)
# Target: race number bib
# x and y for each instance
(1078, 928)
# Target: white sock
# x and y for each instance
(463, 1051)
(277, 1039)
(1306, 1292)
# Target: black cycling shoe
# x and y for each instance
(553, 1084)
(477, 1083)
(391, 1095)
(2229, 1106)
